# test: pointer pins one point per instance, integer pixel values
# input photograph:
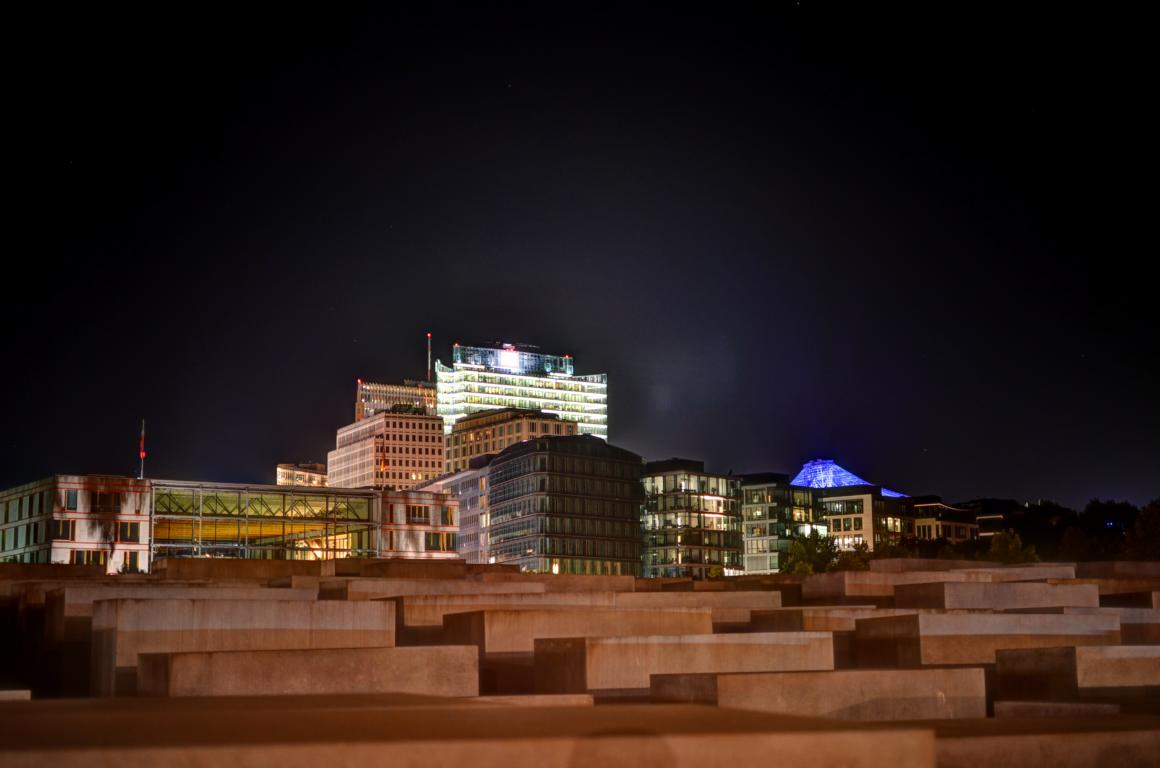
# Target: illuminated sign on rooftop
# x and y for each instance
(512, 359)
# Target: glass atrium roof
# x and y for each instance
(824, 473)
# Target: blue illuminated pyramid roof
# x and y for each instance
(824, 473)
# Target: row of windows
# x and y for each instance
(703, 521)
(784, 514)
(681, 556)
(21, 508)
(781, 496)
(572, 526)
(580, 566)
(938, 531)
(687, 482)
(31, 534)
(551, 545)
(728, 539)
(693, 501)
(463, 437)
(410, 450)
(419, 541)
(849, 507)
(131, 560)
(845, 524)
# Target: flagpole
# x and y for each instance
(141, 474)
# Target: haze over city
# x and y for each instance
(894, 238)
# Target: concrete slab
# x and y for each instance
(1029, 572)
(377, 589)
(996, 596)
(259, 737)
(122, 629)
(1059, 742)
(1117, 569)
(538, 700)
(870, 695)
(429, 610)
(65, 605)
(728, 607)
(903, 564)
(1138, 626)
(1054, 709)
(563, 582)
(1116, 673)
(435, 671)
(872, 586)
(622, 665)
(413, 569)
(64, 661)
(924, 639)
(229, 568)
(510, 632)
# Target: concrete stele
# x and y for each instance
(578, 665)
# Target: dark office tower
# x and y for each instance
(566, 505)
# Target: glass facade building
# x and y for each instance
(483, 378)
(374, 397)
(469, 487)
(773, 513)
(566, 505)
(301, 474)
(124, 523)
(691, 520)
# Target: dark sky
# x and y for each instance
(919, 243)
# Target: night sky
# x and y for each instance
(917, 244)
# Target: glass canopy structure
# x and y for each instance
(825, 473)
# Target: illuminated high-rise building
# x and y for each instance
(517, 376)
(301, 474)
(691, 520)
(373, 397)
(490, 431)
(396, 449)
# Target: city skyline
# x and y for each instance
(784, 233)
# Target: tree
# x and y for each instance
(1075, 547)
(902, 548)
(856, 559)
(1105, 524)
(1007, 547)
(810, 554)
(1143, 539)
(1041, 526)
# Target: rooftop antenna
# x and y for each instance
(141, 453)
(428, 356)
